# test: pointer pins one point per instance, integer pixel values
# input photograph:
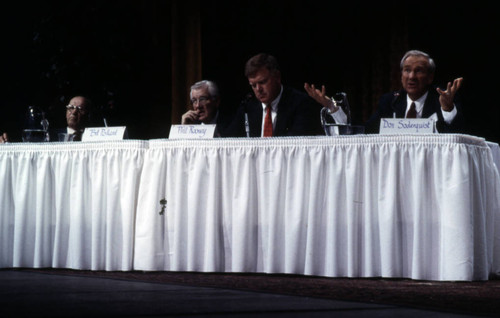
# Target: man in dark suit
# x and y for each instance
(205, 102)
(274, 110)
(77, 117)
(418, 99)
(206, 107)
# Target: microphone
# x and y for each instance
(104, 114)
(393, 102)
(247, 126)
(244, 102)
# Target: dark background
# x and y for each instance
(120, 54)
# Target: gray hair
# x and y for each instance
(213, 90)
(432, 65)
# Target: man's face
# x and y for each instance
(266, 85)
(204, 104)
(416, 76)
(76, 114)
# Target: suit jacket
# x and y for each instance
(297, 115)
(218, 122)
(393, 103)
(54, 133)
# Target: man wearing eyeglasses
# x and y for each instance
(77, 118)
(205, 101)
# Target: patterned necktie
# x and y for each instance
(77, 136)
(412, 112)
(268, 123)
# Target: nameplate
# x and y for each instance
(104, 133)
(192, 131)
(394, 126)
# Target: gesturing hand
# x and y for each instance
(320, 96)
(446, 97)
(4, 138)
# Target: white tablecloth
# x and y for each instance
(495, 151)
(422, 207)
(69, 205)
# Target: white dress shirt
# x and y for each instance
(419, 107)
(339, 116)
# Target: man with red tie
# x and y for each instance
(275, 109)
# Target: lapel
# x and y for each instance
(281, 116)
(431, 105)
(254, 111)
(400, 106)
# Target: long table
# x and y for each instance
(417, 206)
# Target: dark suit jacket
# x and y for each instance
(392, 103)
(297, 115)
(54, 133)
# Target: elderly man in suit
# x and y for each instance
(77, 118)
(418, 99)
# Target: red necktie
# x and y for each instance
(412, 112)
(268, 123)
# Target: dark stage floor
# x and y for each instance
(68, 293)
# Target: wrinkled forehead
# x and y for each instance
(416, 61)
(202, 91)
(78, 101)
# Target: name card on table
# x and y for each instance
(104, 133)
(192, 131)
(391, 126)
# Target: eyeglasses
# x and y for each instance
(201, 100)
(79, 109)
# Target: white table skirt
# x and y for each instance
(69, 205)
(422, 207)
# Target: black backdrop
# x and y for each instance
(119, 53)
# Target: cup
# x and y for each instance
(336, 130)
(35, 135)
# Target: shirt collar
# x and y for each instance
(275, 102)
(72, 131)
